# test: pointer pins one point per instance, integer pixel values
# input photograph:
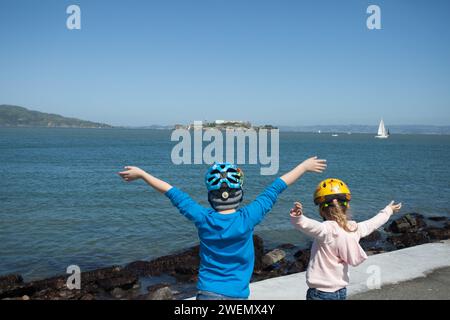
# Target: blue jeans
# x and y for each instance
(314, 294)
(207, 295)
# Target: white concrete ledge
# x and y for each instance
(395, 266)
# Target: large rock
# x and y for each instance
(104, 279)
(438, 233)
(302, 257)
(96, 282)
(10, 280)
(160, 292)
(124, 280)
(273, 257)
(118, 293)
(185, 274)
(372, 241)
(258, 243)
(140, 268)
(296, 267)
(438, 218)
(14, 287)
(374, 236)
(410, 222)
(409, 239)
(57, 294)
(87, 296)
(188, 259)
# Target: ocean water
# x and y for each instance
(62, 202)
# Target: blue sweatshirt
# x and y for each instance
(226, 240)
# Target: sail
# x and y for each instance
(381, 129)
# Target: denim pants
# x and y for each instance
(207, 295)
(314, 294)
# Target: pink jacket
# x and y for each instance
(334, 249)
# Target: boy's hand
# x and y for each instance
(297, 210)
(310, 165)
(395, 207)
(314, 165)
(132, 173)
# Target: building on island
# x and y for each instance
(224, 125)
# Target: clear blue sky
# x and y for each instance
(278, 61)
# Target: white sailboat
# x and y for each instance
(382, 133)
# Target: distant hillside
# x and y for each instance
(14, 116)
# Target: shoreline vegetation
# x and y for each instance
(19, 117)
(174, 276)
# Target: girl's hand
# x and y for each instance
(297, 210)
(395, 207)
(132, 173)
(314, 165)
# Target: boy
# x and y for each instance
(225, 232)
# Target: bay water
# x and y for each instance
(62, 202)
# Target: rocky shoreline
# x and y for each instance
(174, 276)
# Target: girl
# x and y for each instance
(336, 240)
(225, 232)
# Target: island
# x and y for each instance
(224, 125)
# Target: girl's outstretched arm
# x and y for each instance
(135, 173)
(367, 227)
(311, 227)
(310, 165)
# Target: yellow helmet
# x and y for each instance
(330, 189)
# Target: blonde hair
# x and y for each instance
(337, 213)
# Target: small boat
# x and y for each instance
(335, 135)
(382, 132)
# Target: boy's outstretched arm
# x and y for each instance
(135, 173)
(264, 202)
(187, 207)
(310, 165)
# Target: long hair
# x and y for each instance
(338, 213)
